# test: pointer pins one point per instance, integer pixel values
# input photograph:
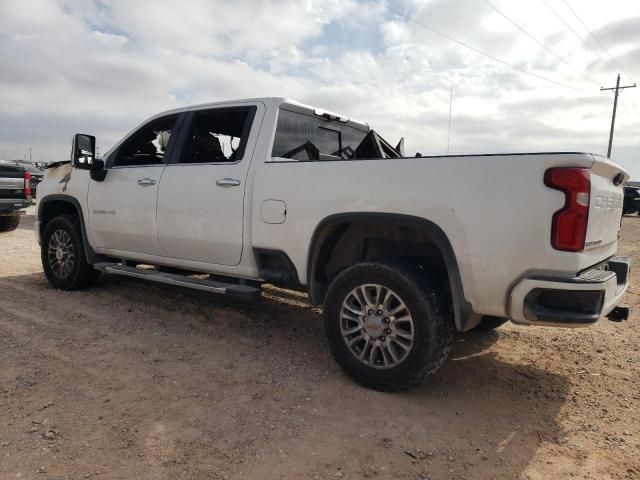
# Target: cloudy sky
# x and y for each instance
(102, 66)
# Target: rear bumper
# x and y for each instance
(11, 204)
(571, 302)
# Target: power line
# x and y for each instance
(559, 17)
(596, 39)
(477, 50)
(604, 49)
(540, 43)
(582, 39)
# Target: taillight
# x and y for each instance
(27, 184)
(569, 225)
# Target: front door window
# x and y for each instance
(148, 145)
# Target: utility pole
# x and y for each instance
(30, 161)
(618, 89)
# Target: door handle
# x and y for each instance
(145, 182)
(228, 182)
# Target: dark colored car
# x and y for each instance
(631, 200)
(36, 177)
(15, 194)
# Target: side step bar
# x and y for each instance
(179, 280)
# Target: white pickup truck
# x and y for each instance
(401, 251)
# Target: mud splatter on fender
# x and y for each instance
(66, 178)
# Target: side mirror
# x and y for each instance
(97, 170)
(83, 151)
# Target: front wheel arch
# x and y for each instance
(62, 254)
(56, 205)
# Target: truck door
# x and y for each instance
(201, 195)
(122, 208)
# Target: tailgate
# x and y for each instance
(605, 208)
(11, 187)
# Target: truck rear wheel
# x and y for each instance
(387, 326)
(63, 258)
(9, 223)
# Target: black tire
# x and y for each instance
(80, 274)
(489, 323)
(433, 326)
(9, 223)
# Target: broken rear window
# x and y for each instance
(307, 137)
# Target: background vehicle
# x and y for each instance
(631, 200)
(36, 176)
(15, 194)
(271, 190)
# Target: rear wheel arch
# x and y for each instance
(329, 232)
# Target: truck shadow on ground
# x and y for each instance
(480, 416)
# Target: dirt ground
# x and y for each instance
(139, 381)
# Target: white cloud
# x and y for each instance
(106, 65)
(110, 39)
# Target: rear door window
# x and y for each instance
(218, 135)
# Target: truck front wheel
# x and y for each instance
(62, 252)
(387, 326)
